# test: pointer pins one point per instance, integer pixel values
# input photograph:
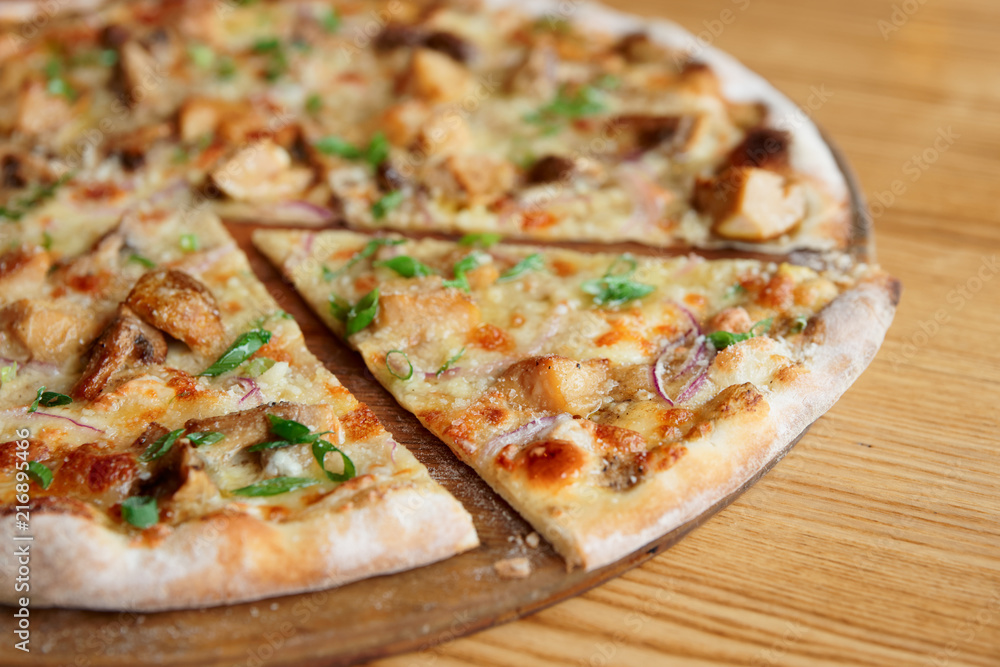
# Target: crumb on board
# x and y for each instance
(512, 568)
(532, 540)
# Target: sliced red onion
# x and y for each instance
(309, 212)
(691, 316)
(73, 421)
(692, 360)
(692, 388)
(533, 430)
(254, 389)
(310, 238)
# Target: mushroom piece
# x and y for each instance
(750, 204)
(180, 305)
(126, 340)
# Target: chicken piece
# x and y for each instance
(131, 147)
(98, 272)
(536, 76)
(437, 78)
(44, 330)
(473, 179)
(764, 148)
(428, 316)
(179, 476)
(637, 47)
(647, 132)
(39, 112)
(262, 171)
(141, 76)
(250, 427)
(700, 79)
(750, 204)
(89, 471)
(443, 134)
(402, 121)
(126, 340)
(733, 320)
(180, 305)
(200, 116)
(23, 270)
(556, 384)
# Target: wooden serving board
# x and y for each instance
(379, 616)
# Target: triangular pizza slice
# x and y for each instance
(608, 398)
(167, 440)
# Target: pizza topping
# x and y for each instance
(556, 384)
(358, 316)
(551, 462)
(406, 266)
(262, 172)
(90, 471)
(450, 44)
(465, 265)
(42, 193)
(201, 439)
(616, 286)
(751, 204)
(533, 262)
(275, 486)
(180, 305)
(48, 399)
(394, 360)
(387, 202)
(723, 339)
(160, 446)
(447, 365)
(242, 349)
(436, 77)
(44, 330)
(482, 240)
(140, 511)
(320, 448)
(126, 340)
(40, 474)
(764, 148)
(366, 252)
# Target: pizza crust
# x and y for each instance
(232, 557)
(847, 334)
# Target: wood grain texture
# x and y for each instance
(877, 540)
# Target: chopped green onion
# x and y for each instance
(362, 313)
(451, 362)
(367, 251)
(140, 511)
(533, 262)
(407, 266)
(378, 149)
(42, 193)
(386, 203)
(389, 364)
(586, 101)
(259, 366)
(471, 261)
(320, 448)
(275, 486)
(330, 20)
(337, 146)
(720, 340)
(616, 286)
(139, 259)
(242, 349)
(160, 446)
(484, 240)
(799, 324)
(40, 474)
(314, 104)
(204, 438)
(8, 373)
(189, 242)
(201, 55)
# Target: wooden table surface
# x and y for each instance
(877, 540)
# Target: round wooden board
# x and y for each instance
(379, 616)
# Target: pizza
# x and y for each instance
(608, 399)
(167, 440)
(444, 116)
(162, 420)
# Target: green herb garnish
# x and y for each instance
(8, 373)
(57, 84)
(484, 240)
(242, 349)
(339, 147)
(616, 286)
(291, 433)
(48, 399)
(201, 55)
(720, 340)
(367, 251)
(160, 446)
(275, 486)
(586, 101)
(451, 362)
(386, 203)
(533, 262)
(40, 474)
(362, 313)
(330, 20)
(314, 104)
(799, 324)
(140, 511)
(139, 259)
(320, 448)
(406, 266)
(471, 261)
(258, 366)
(42, 193)
(400, 355)
(277, 60)
(204, 438)
(189, 243)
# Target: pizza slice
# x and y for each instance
(608, 398)
(168, 441)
